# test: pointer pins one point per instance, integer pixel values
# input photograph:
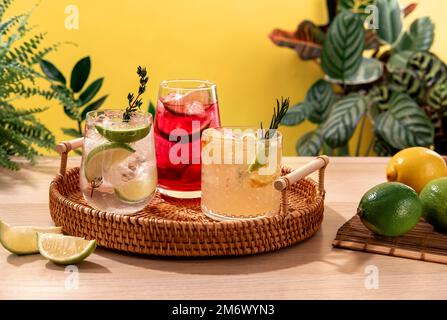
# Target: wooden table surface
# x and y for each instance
(310, 270)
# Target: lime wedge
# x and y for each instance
(103, 157)
(125, 135)
(65, 250)
(261, 180)
(136, 190)
(22, 240)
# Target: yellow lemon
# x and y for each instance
(416, 167)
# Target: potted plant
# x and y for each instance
(374, 71)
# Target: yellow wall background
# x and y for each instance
(221, 40)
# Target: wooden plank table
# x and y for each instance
(310, 270)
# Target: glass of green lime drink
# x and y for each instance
(118, 172)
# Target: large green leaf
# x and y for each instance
(405, 124)
(343, 46)
(321, 97)
(420, 36)
(297, 114)
(80, 74)
(309, 145)
(437, 97)
(88, 94)
(429, 67)
(51, 71)
(370, 70)
(93, 106)
(398, 60)
(390, 20)
(343, 120)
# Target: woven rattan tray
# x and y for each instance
(167, 228)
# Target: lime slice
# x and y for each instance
(125, 135)
(136, 190)
(103, 157)
(261, 180)
(22, 240)
(65, 250)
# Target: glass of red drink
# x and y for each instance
(185, 109)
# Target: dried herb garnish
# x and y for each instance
(135, 103)
(278, 114)
(95, 184)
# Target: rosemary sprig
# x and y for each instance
(278, 113)
(135, 103)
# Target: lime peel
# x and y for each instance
(124, 135)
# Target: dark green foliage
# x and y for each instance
(20, 130)
(401, 92)
(343, 46)
(151, 109)
(75, 101)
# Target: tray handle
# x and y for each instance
(64, 148)
(283, 183)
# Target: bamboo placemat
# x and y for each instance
(422, 243)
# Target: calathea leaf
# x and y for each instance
(390, 20)
(398, 60)
(379, 94)
(51, 71)
(409, 9)
(343, 46)
(429, 67)
(343, 120)
(420, 36)
(297, 114)
(406, 80)
(370, 70)
(437, 97)
(309, 145)
(405, 124)
(80, 74)
(383, 149)
(306, 40)
(321, 97)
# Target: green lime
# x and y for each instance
(434, 203)
(22, 240)
(103, 157)
(390, 209)
(125, 135)
(136, 190)
(65, 250)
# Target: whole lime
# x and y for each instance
(434, 204)
(390, 209)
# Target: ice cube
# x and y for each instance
(194, 108)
